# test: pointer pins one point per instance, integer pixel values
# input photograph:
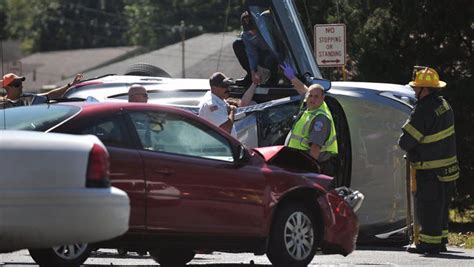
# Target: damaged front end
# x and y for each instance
(341, 225)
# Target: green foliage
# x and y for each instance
(156, 23)
(46, 25)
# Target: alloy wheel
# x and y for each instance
(299, 236)
(69, 252)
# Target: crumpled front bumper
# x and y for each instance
(341, 225)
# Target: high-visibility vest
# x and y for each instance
(300, 133)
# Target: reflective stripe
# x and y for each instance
(430, 239)
(438, 136)
(433, 164)
(445, 233)
(413, 131)
(301, 131)
(449, 178)
(299, 139)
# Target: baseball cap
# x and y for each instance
(218, 79)
(10, 77)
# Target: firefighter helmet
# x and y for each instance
(426, 77)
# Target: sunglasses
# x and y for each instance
(144, 95)
(16, 83)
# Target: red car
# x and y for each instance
(193, 187)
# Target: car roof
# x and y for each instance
(373, 86)
(104, 106)
(92, 108)
(149, 81)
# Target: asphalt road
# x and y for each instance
(363, 256)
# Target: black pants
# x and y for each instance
(239, 50)
(265, 60)
(432, 206)
(449, 188)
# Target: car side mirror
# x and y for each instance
(326, 84)
(243, 155)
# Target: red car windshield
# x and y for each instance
(36, 117)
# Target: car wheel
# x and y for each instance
(145, 69)
(293, 237)
(172, 257)
(63, 256)
(122, 252)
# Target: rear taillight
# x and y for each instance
(98, 167)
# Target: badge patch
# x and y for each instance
(318, 126)
(213, 108)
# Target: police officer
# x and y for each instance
(429, 140)
(314, 130)
(13, 85)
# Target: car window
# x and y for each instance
(163, 132)
(274, 123)
(111, 131)
(36, 118)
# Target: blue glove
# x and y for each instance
(288, 71)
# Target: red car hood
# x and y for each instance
(269, 152)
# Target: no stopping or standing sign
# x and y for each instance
(330, 44)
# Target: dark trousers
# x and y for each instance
(265, 59)
(449, 188)
(239, 50)
(432, 206)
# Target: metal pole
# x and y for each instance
(409, 203)
(183, 37)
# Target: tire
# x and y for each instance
(61, 256)
(122, 252)
(145, 69)
(293, 237)
(172, 257)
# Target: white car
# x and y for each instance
(54, 189)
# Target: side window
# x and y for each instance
(170, 133)
(275, 123)
(111, 131)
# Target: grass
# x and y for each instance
(463, 240)
(462, 234)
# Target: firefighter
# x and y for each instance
(314, 130)
(428, 138)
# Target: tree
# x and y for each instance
(156, 23)
(45, 25)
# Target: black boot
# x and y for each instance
(423, 249)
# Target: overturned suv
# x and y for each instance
(368, 117)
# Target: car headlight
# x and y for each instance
(353, 197)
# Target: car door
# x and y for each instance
(280, 26)
(192, 180)
(126, 165)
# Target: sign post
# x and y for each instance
(330, 45)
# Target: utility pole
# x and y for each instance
(183, 37)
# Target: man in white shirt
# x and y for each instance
(214, 106)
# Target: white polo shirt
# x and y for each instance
(214, 109)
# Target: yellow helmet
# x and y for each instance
(426, 77)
